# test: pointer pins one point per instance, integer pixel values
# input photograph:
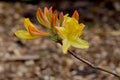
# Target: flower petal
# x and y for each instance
(27, 22)
(65, 46)
(75, 15)
(34, 31)
(54, 19)
(61, 31)
(79, 43)
(23, 34)
(71, 25)
(42, 18)
(48, 13)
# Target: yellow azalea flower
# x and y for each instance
(70, 34)
(60, 28)
(31, 33)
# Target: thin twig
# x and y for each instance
(92, 65)
(20, 58)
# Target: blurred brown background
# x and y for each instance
(42, 59)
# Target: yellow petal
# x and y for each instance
(65, 46)
(27, 23)
(80, 29)
(61, 31)
(71, 25)
(79, 43)
(23, 34)
(81, 26)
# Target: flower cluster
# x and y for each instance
(61, 28)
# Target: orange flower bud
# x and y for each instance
(75, 15)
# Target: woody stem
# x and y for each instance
(92, 65)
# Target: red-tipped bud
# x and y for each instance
(61, 15)
(54, 19)
(40, 14)
(75, 15)
(45, 10)
(35, 32)
(61, 18)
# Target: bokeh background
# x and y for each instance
(42, 59)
